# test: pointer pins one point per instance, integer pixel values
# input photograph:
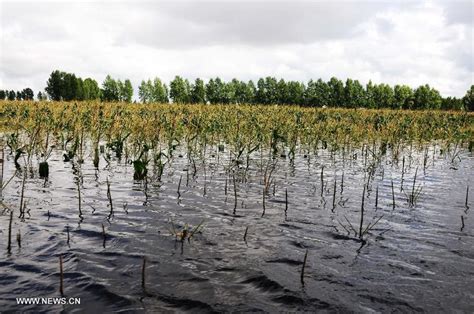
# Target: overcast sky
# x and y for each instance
(396, 42)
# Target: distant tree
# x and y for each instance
(145, 91)
(91, 90)
(19, 96)
(198, 92)
(468, 99)
(403, 97)
(248, 92)
(215, 91)
(336, 93)
(28, 94)
(241, 93)
(452, 103)
(283, 95)
(3, 95)
(296, 91)
(40, 96)
(383, 96)
(370, 95)
(125, 90)
(229, 92)
(317, 93)
(70, 87)
(426, 97)
(110, 89)
(267, 91)
(11, 95)
(180, 90)
(55, 85)
(354, 94)
(159, 91)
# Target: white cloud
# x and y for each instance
(404, 42)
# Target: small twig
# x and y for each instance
(377, 197)
(362, 214)
(245, 233)
(61, 275)
(143, 273)
(303, 267)
(109, 196)
(79, 196)
(68, 238)
(9, 247)
(352, 227)
(103, 235)
(467, 197)
(393, 197)
(235, 194)
(179, 186)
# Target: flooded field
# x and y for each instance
(156, 208)
(243, 251)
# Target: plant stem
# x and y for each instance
(9, 247)
(303, 267)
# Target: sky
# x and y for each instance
(395, 42)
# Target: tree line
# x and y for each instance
(25, 94)
(62, 86)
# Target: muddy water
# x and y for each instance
(415, 258)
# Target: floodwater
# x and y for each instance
(417, 258)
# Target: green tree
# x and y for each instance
(267, 91)
(426, 97)
(354, 94)
(370, 95)
(145, 91)
(336, 93)
(452, 103)
(198, 92)
(41, 96)
(69, 87)
(55, 85)
(403, 97)
(250, 92)
(383, 96)
(296, 91)
(180, 90)
(91, 90)
(110, 89)
(3, 95)
(28, 94)
(317, 94)
(159, 91)
(215, 90)
(11, 95)
(468, 99)
(79, 94)
(229, 93)
(125, 90)
(283, 94)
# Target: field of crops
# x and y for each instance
(235, 207)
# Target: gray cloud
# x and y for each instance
(183, 24)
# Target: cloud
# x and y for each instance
(398, 42)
